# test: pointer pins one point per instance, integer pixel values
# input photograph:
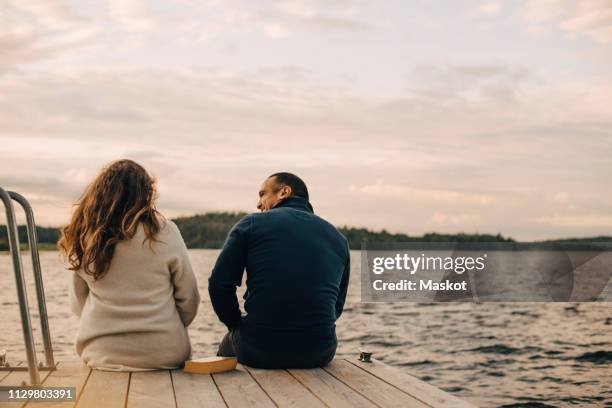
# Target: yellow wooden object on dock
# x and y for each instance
(210, 365)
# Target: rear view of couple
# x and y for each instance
(136, 293)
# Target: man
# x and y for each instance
(297, 268)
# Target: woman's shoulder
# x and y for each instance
(168, 231)
(167, 226)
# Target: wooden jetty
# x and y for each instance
(343, 383)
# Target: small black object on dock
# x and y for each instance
(365, 356)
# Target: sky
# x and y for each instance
(413, 116)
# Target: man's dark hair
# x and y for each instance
(298, 187)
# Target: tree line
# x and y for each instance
(209, 230)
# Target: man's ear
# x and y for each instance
(285, 191)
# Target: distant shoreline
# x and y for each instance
(209, 231)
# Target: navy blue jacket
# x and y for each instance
(297, 268)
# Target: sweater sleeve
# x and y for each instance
(186, 293)
(227, 274)
(343, 286)
(79, 291)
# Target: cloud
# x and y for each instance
(466, 220)
(449, 82)
(590, 18)
(600, 221)
(303, 9)
(32, 31)
(501, 140)
(133, 15)
(396, 192)
(336, 23)
(211, 136)
(276, 20)
(321, 15)
(487, 8)
(50, 13)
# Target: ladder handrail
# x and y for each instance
(13, 237)
(40, 291)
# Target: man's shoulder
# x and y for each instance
(279, 215)
(248, 221)
(330, 226)
(245, 221)
(330, 229)
(282, 218)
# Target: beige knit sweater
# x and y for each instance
(135, 318)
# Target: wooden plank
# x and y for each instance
(196, 390)
(333, 392)
(419, 389)
(16, 378)
(68, 374)
(239, 389)
(284, 389)
(4, 374)
(5, 383)
(151, 389)
(371, 387)
(105, 389)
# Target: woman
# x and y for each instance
(132, 285)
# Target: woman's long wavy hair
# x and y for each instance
(120, 198)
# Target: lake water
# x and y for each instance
(493, 354)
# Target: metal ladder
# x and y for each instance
(33, 367)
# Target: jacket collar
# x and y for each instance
(298, 203)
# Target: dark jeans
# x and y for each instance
(234, 345)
